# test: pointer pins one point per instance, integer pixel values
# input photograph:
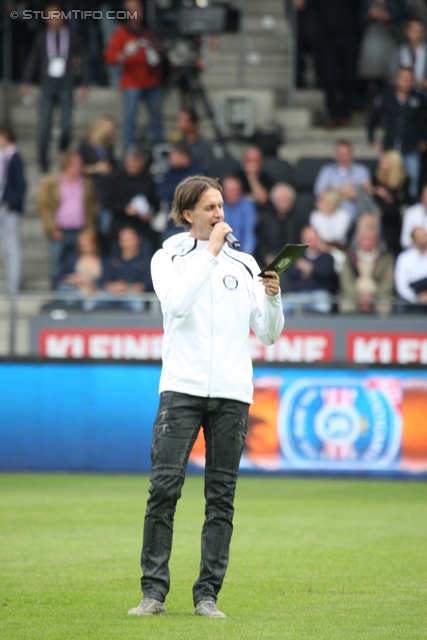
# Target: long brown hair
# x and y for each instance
(187, 195)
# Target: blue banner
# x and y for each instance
(71, 416)
(77, 417)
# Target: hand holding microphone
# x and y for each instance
(220, 234)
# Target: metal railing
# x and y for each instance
(17, 311)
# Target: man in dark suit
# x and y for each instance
(58, 60)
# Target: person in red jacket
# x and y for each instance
(135, 48)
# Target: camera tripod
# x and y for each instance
(185, 79)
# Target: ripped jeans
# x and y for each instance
(177, 424)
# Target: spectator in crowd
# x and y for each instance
(12, 189)
(128, 273)
(279, 224)
(331, 222)
(58, 60)
(256, 182)
(411, 269)
(187, 123)
(181, 166)
(108, 25)
(306, 34)
(88, 25)
(415, 216)
(135, 48)
(347, 176)
(390, 190)
(82, 272)
(240, 213)
(405, 114)
(97, 152)
(311, 277)
(366, 278)
(381, 23)
(21, 36)
(365, 221)
(131, 198)
(338, 40)
(67, 204)
(413, 53)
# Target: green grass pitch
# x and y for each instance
(311, 559)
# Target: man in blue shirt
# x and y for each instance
(345, 175)
(312, 277)
(239, 212)
(127, 273)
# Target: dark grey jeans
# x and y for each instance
(51, 96)
(177, 424)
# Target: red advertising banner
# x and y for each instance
(296, 345)
(126, 344)
(146, 344)
(386, 347)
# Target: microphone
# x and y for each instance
(232, 240)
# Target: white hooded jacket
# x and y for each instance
(209, 305)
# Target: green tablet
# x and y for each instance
(284, 258)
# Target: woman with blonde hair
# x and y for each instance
(391, 171)
(331, 221)
(101, 131)
(97, 152)
(391, 191)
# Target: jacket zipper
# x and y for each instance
(212, 341)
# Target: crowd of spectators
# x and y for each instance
(105, 216)
(104, 220)
(356, 47)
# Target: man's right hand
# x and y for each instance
(217, 237)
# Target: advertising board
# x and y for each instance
(336, 420)
(98, 416)
(337, 338)
(387, 347)
(146, 343)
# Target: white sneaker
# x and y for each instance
(208, 608)
(148, 607)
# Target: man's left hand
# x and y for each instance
(271, 283)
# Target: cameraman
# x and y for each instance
(135, 48)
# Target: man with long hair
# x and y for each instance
(211, 297)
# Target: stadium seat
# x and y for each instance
(278, 170)
(304, 204)
(305, 172)
(220, 167)
(371, 163)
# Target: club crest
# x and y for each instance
(230, 282)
